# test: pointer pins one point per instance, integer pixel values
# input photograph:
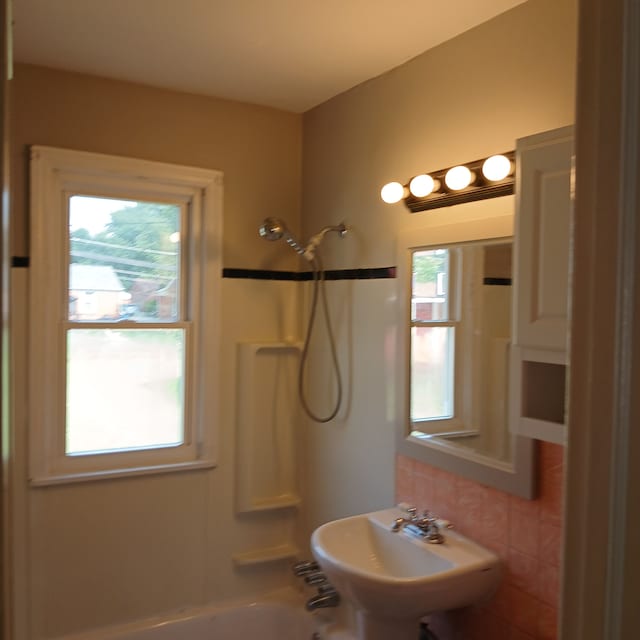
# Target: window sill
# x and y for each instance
(92, 476)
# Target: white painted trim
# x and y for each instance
(54, 174)
(8, 575)
(622, 617)
(19, 522)
(601, 559)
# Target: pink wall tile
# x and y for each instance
(444, 494)
(526, 534)
(551, 495)
(549, 584)
(550, 543)
(424, 485)
(547, 628)
(522, 572)
(516, 634)
(551, 455)
(524, 610)
(404, 479)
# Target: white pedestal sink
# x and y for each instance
(393, 578)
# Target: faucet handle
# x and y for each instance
(410, 509)
(317, 577)
(305, 567)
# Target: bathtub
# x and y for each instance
(279, 616)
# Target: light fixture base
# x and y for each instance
(480, 189)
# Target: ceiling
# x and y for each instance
(287, 54)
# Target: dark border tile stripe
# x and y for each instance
(360, 274)
(261, 274)
(264, 274)
(504, 282)
(336, 274)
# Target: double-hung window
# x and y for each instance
(124, 288)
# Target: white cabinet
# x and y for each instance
(541, 276)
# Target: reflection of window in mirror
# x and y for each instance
(458, 345)
(434, 322)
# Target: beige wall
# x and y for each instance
(101, 553)
(464, 100)
(258, 149)
(468, 98)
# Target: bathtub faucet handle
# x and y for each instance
(305, 567)
(315, 577)
(323, 601)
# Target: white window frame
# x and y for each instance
(57, 174)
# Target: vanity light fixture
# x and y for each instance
(478, 180)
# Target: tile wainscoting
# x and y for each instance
(527, 535)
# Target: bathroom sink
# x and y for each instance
(393, 578)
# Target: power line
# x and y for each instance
(126, 247)
(100, 257)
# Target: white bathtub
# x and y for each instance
(279, 617)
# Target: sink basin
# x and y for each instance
(393, 578)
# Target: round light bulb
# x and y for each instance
(458, 178)
(496, 168)
(422, 185)
(392, 192)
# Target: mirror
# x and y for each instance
(458, 382)
(456, 309)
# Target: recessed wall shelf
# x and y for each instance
(538, 394)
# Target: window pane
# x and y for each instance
(430, 285)
(124, 260)
(431, 373)
(125, 389)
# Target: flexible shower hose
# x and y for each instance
(319, 288)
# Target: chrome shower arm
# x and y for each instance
(314, 242)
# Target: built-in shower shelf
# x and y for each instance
(268, 504)
(268, 428)
(268, 554)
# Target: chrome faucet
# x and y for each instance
(425, 527)
(412, 512)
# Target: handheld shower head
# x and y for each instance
(273, 229)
